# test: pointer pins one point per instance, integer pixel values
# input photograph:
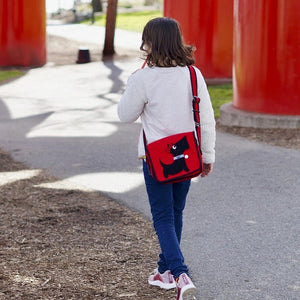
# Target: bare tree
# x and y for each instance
(97, 7)
(150, 2)
(111, 15)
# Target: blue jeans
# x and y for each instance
(167, 202)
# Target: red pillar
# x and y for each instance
(208, 25)
(22, 33)
(266, 72)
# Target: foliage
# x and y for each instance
(134, 21)
(220, 94)
(4, 75)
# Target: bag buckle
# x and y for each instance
(196, 99)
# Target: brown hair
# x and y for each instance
(166, 47)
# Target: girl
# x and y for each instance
(161, 95)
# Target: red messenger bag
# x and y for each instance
(177, 157)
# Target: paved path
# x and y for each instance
(241, 227)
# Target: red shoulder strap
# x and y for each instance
(193, 80)
(196, 101)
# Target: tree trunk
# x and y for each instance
(149, 2)
(97, 5)
(111, 16)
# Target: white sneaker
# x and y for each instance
(164, 281)
(185, 288)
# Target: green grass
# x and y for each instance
(220, 94)
(4, 75)
(133, 21)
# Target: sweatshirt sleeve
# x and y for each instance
(133, 100)
(207, 121)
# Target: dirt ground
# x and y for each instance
(59, 244)
(282, 137)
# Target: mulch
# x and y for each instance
(281, 137)
(69, 244)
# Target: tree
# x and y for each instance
(111, 15)
(149, 2)
(97, 7)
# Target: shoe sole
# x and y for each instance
(188, 294)
(165, 286)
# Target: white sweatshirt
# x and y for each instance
(162, 97)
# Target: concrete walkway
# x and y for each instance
(241, 226)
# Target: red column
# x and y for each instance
(208, 25)
(22, 33)
(266, 73)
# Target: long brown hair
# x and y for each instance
(163, 39)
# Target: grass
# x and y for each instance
(5, 75)
(220, 94)
(133, 21)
